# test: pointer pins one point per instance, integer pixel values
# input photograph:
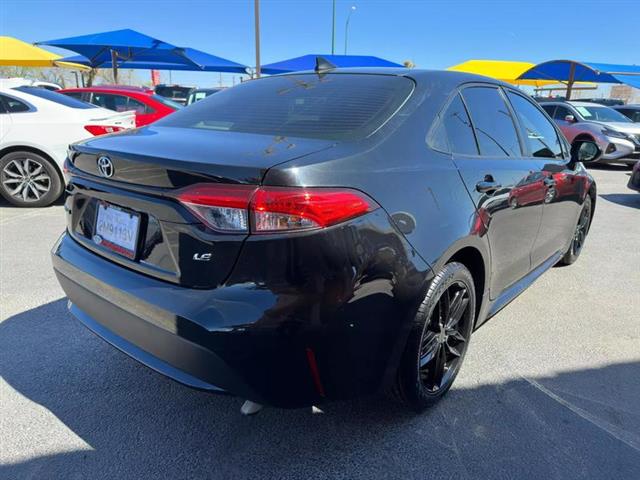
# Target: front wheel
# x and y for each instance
(29, 180)
(438, 339)
(579, 234)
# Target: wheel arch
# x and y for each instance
(37, 151)
(474, 254)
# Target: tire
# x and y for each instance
(29, 180)
(579, 234)
(422, 377)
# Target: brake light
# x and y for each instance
(244, 208)
(222, 207)
(102, 129)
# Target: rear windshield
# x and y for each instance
(55, 97)
(333, 106)
(173, 92)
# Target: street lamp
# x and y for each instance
(346, 27)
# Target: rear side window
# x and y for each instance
(454, 132)
(561, 113)
(332, 106)
(56, 97)
(549, 109)
(494, 127)
(539, 134)
(12, 105)
(76, 95)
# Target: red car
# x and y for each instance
(148, 106)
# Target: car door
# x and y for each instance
(562, 189)
(491, 171)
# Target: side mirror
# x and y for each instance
(569, 118)
(585, 151)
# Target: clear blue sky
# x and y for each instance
(431, 34)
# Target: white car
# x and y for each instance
(36, 128)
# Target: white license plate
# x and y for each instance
(117, 229)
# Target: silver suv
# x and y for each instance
(616, 135)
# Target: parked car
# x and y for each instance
(34, 83)
(303, 238)
(177, 93)
(200, 94)
(634, 180)
(616, 135)
(630, 111)
(609, 102)
(148, 107)
(36, 127)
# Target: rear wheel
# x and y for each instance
(438, 340)
(29, 180)
(579, 234)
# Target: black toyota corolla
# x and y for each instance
(317, 236)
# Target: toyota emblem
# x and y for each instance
(105, 166)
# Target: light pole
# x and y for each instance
(333, 30)
(346, 27)
(256, 7)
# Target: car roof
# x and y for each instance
(586, 104)
(111, 88)
(634, 106)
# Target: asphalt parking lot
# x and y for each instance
(550, 388)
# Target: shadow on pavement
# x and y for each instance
(631, 199)
(578, 424)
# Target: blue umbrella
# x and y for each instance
(119, 47)
(308, 62)
(572, 71)
(202, 62)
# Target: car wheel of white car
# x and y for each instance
(29, 180)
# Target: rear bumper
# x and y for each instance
(257, 338)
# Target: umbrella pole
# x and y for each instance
(114, 65)
(572, 77)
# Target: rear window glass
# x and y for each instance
(173, 92)
(54, 97)
(333, 106)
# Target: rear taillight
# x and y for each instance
(222, 207)
(102, 129)
(244, 208)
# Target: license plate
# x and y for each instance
(117, 229)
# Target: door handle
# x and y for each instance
(488, 185)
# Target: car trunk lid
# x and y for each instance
(169, 157)
(148, 166)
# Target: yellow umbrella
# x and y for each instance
(16, 53)
(506, 71)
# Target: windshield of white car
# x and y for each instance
(601, 114)
(54, 97)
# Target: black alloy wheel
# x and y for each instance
(579, 234)
(444, 338)
(439, 338)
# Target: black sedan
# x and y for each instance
(318, 236)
